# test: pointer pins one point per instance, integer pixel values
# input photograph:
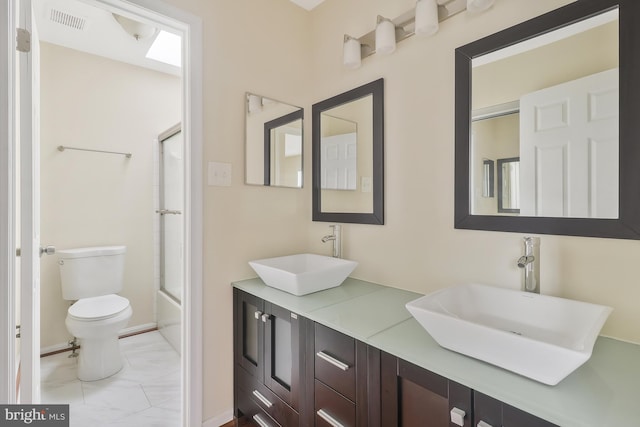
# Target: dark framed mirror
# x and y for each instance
(348, 156)
(573, 180)
(273, 142)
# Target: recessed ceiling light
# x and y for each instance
(167, 48)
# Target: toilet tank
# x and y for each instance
(91, 272)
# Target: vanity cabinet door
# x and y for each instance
(268, 350)
(249, 333)
(494, 413)
(412, 396)
(282, 353)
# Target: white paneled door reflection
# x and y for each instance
(569, 149)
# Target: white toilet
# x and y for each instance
(93, 276)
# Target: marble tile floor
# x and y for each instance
(145, 393)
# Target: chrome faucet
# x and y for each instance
(336, 237)
(530, 263)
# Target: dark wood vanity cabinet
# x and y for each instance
(269, 362)
(489, 412)
(290, 371)
(412, 396)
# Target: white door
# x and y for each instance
(569, 149)
(29, 201)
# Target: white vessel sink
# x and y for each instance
(541, 337)
(303, 273)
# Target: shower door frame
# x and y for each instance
(164, 136)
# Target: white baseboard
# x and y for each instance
(219, 420)
(126, 331)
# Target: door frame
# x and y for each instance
(191, 27)
(7, 204)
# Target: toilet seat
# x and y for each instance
(98, 308)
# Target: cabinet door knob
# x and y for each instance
(328, 418)
(257, 314)
(262, 399)
(335, 362)
(265, 317)
(483, 424)
(457, 416)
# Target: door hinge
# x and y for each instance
(17, 331)
(23, 40)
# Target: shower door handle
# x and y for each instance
(168, 212)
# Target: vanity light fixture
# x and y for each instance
(351, 52)
(385, 36)
(424, 19)
(475, 6)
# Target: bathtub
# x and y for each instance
(169, 314)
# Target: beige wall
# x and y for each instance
(91, 199)
(293, 55)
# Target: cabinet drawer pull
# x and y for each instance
(257, 314)
(335, 362)
(262, 399)
(257, 418)
(265, 317)
(328, 418)
(483, 424)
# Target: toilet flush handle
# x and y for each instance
(47, 250)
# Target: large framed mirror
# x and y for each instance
(348, 156)
(559, 93)
(273, 142)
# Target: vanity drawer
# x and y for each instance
(267, 400)
(333, 409)
(251, 414)
(335, 356)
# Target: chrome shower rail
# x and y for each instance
(62, 148)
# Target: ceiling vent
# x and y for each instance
(67, 19)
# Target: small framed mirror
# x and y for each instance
(273, 142)
(348, 156)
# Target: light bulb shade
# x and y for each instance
(426, 22)
(254, 103)
(385, 36)
(475, 6)
(351, 54)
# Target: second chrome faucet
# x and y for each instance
(530, 263)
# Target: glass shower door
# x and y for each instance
(171, 214)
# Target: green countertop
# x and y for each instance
(603, 392)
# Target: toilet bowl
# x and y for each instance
(96, 322)
(92, 276)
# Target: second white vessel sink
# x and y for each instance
(541, 337)
(303, 274)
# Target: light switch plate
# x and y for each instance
(219, 174)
